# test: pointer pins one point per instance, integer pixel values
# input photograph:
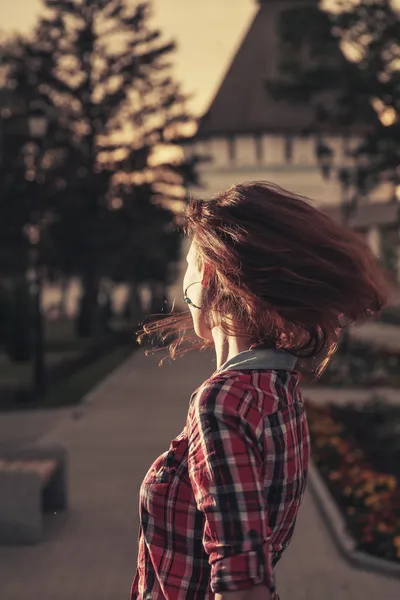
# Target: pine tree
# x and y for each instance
(107, 72)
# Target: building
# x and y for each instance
(247, 135)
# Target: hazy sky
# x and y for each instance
(207, 33)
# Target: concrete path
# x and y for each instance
(90, 553)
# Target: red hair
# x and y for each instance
(291, 276)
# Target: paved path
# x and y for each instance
(90, 553)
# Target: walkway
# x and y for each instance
(90, 553)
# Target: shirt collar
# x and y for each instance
(264, 359)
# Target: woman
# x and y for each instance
(269, 280)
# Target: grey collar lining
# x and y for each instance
(263, 359)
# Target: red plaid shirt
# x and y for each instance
(219, 507)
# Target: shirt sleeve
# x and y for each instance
(225, 431)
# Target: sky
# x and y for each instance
(207, 32)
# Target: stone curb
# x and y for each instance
(337, 527)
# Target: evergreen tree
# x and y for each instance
(106, 71)
(27, 165)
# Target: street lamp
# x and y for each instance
(38, 126)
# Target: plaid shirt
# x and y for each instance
(219, 507)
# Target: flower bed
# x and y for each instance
(369, 498)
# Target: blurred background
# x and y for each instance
(112, 114)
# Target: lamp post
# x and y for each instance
(38, 125)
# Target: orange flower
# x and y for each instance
(384, 528)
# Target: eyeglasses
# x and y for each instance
(188, 301)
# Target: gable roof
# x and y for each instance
(243, 103)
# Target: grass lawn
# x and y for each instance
(61, 345)
(20, 374)
(71, 391)
(61, 337)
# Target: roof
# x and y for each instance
(243, 103)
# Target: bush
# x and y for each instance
(363, 365)
(368, 497)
